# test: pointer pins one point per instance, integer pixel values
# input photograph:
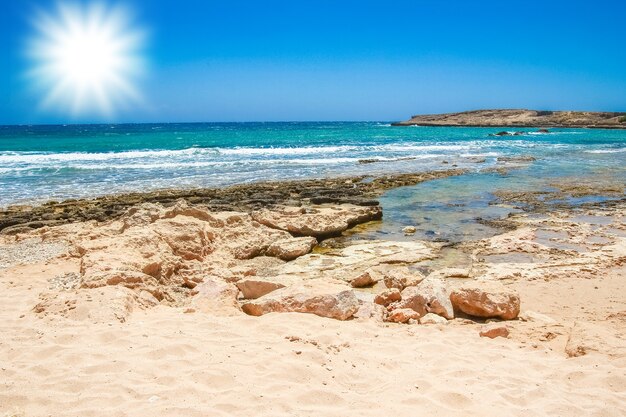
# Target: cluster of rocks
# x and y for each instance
(269, 261)
(430, 300)
(554, 245)
(403, 296)
(164, 253)
(228, 262)
(563, 195)
(517, 133)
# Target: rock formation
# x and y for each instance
(321, 297)
(487, 300)
(429, 296)
(521, 118)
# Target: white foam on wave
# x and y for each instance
(402, 158)
(13, 169)
(615, 150)
(479, 155)
(287, 151)
(420, 148)
(179, 165)
(196, 157)
(39, 157)
(309, 150)
(43, 157)
(526, 144)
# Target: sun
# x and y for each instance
(86, 59)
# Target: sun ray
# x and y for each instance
(86, 59)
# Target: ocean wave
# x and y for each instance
(479, 155)
(615, 150)
(342, 149)
(410, 148)
(307, 150)
(38, 157)
(198, 157)
(221, 165)
(179, 165)
(34, 157)
(43, 157)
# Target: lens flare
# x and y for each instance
(86, 59)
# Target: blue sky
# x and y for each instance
(349, 60)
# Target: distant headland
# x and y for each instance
(521, 118)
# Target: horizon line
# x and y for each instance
(193, 122)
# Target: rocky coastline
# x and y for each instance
(359, 190)
(521, 118)
(211, 282)
(242, 243)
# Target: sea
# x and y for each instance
(58, 162)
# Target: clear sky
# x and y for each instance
(348, 60)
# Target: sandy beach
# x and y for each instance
(176, 309)
(312, 209)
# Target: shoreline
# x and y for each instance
(360, 190)
(357, 190)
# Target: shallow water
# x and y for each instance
(511, 258)
(445, 209)
(449, 209)
(557, 240)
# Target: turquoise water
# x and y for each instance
(40, 163)
(447, 209)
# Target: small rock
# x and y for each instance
(431, 318)
(364, 280)
(388, 296)
(409, 230)
(255, 287)
(403, 315)
(494, 330)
